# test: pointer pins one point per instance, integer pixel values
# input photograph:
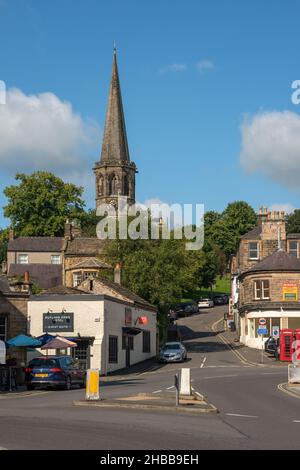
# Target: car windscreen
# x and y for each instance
(171, 346)
(43, 363)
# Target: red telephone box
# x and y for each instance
(286, 344)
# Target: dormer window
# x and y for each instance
(253, 250)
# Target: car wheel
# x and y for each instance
(68, 384)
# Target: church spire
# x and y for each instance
(115, 145)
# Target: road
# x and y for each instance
(254, 414)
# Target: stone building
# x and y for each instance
(13, 311)
(115, 173)
(265, 278)
(53, 261)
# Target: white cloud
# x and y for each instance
(204, 65)
(286, 207)
(41, 132)
(271, 146)
(172, 68)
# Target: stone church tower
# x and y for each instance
(115, 173)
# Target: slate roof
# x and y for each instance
(42, 244)
(124, 292)
(45, 275)
(85, 246)
(253, 234)
(279, 261)
(90, 264)
(61, 290)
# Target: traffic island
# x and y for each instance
(164, 401)
(291, 389)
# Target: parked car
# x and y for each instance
(221, 299)
(272, 346)
(55, 371)
(172, 352)
(185, 309)
(205, 303)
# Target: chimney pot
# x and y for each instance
(11, 234)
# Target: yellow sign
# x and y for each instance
(290, 291)
(92, 385)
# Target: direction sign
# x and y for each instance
(262, 331)
(262, 321)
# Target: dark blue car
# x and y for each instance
(55, 371)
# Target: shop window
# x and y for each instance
(293, 249)
(261, 289)
(3, 328)
(146, 342)
(113, 350)
(253, 250)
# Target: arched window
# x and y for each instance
(112, 185)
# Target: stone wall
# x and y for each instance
(276, 281)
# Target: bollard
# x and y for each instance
(185, 382)
(92, 385)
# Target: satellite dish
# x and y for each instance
(2, 353)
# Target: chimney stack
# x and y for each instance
(117, 274)
(11, 235)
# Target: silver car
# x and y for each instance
(172, 352)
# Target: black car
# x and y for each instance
(185, 309)
(55, 371)
(221, 299)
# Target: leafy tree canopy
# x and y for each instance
(40, 204)
(293, 222)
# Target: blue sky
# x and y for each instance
(206, 89)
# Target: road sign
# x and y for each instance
(262, 321)
(275, 331)
(262, 331)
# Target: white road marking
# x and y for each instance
(203, 362)
(170, 388)
(296, 421)
(220, 376)
(241, 416)
(157, 391)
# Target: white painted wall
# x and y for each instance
(99, 319)
(114, 320)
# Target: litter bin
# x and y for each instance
(232, 326)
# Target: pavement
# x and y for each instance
(254, 413)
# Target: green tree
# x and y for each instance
(40, 204)
(3, 244)
(293, 222)
(239, 218)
